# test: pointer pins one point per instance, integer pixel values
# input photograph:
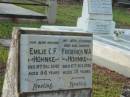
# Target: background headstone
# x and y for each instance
(97, 16)
(51, 11)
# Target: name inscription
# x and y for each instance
(50, 63)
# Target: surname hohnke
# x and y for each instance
(43, 59)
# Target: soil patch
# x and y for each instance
(111, 74)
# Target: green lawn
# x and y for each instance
(106, 83)
(3, 55)
(1, 83)
(103, 86)
(121, 16)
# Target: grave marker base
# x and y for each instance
(96, 26)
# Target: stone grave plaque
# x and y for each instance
(97, 26)
(100, 6)
(55, 62)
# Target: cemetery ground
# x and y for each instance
(106, 83)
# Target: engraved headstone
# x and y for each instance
(55, 62)
(45, 63)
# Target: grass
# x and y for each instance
(121, 16)
(6, 27)
(103, 86)
(3, 59)
(66, 15)
(1, 83)
(3, 55)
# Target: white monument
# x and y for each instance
(97, 16)
(111, 46)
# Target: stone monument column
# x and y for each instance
(97, 16)
(51, 11)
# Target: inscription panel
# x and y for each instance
(49, 63)
(100, 6)
(98, 26)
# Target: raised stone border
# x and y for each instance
(112, 57)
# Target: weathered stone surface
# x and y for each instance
(100, 6)
(97, 16)
(10, 87)
(96, 26)
(12, 78)
(46, 60)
